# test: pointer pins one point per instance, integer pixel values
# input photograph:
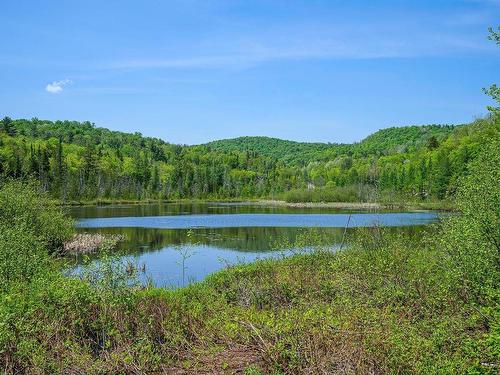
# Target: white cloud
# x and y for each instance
(57, 86)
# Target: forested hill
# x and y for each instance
(78, 161)
(79, 133)
(388, 141)
(288, 151)
(397, 140)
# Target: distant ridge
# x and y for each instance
(385, 141)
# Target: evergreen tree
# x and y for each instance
(7, 126)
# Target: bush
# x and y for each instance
(21, 256)
(326, 194)
(24, 205)
(472, 238)
(30, 229)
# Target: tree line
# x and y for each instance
(79, 161)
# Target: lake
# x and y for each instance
(176, 244)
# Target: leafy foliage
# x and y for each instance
(24, 206)
(78, 161)
(383, 142)
(473, 238)
(7, 126)
(403, 139)
(340, 194)
(30, 229)
(289, 152)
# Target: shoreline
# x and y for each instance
(435, 206)
(439, 206)
(346, 205)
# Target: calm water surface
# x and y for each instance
(211, 236)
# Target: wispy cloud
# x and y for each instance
(57, 86)
(318, 50)
(406, 36)
(336, 34)
(261, 53)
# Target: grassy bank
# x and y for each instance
(359, 197)
(438, 206)
(385, 304)
(444, 205)
(108, 202)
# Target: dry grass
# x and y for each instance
(340, 205)
(86, 243)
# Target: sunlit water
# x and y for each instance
(180, 243)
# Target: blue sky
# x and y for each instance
(191, 71)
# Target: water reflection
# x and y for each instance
(169, 209)
(233, 238)
(245, 239)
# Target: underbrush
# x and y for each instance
(326, 194)
(363, 194)
(386, 304)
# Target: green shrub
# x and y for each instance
(24, 205)
(472, 238)
(30, 229)
(326, 194)
(22, 257)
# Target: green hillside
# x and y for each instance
(288, 151)
(404, 139)
(79, 161)
(384, 142)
